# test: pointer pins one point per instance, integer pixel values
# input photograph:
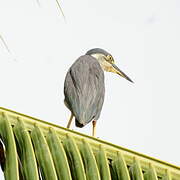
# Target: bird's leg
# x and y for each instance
(70, 120)
(94, 128)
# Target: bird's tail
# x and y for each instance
(78, 124)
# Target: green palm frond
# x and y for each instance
(60, 9)
(34, 149)
(58, 6)
(5, 44)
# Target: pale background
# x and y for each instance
(144, 38)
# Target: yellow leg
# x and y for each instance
(94, 129)
(70, 121)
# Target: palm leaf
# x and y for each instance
(34, 149)
(5, 44)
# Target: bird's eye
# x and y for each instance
(110, 59)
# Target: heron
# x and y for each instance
(84, 87)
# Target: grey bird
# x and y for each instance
(84, 86)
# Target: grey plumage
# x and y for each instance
(84, 89)
(96, 51)
(84, 86)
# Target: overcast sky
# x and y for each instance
(144, 39)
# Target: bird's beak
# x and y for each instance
(118, 71)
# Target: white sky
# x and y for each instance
(143, 36)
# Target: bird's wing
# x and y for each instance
(84, 89)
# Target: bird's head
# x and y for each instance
(106, 61)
